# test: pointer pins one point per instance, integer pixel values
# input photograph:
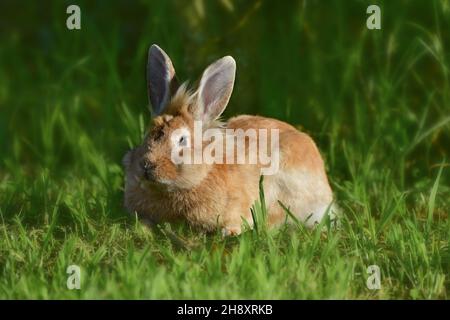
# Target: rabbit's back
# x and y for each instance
(300, 182)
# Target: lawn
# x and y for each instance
(377, 102)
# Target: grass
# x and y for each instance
(376, 102)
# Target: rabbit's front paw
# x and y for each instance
(231, 231)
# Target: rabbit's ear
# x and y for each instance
(161, 80)
(215, 89)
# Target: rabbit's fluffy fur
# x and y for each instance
(211, 196)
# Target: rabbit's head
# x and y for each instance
(174, 112)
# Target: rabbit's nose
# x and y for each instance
(148, 168)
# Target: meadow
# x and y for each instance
(377, 102)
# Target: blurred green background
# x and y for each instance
(73, 102)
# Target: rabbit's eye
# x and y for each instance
(183, 141)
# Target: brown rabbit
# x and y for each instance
(216, 195)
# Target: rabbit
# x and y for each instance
(216, 196)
